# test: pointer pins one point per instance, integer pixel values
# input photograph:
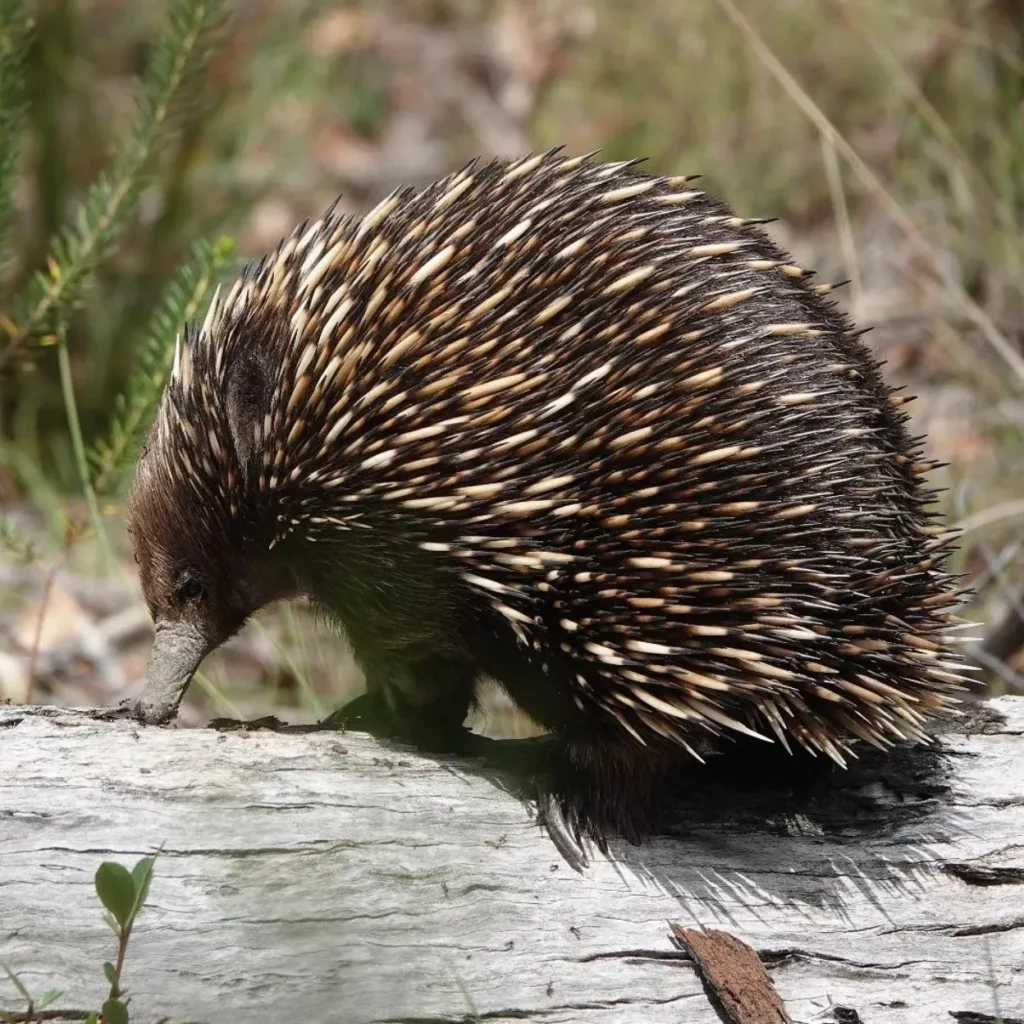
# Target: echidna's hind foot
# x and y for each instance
(605, 788)
(565, 836)
(588, 792)
(535, 765)
(592, 794)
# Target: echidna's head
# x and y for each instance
(202, 555)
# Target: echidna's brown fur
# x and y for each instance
(579, 428)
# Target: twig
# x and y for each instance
(37, 639)
(833, 173)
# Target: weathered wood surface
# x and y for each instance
(325, 877)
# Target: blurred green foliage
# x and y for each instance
(110, 152)
(137, 139)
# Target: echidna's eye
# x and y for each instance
(189, 589)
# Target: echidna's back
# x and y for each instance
(637, 432)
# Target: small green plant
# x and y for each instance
(33, 1006)
(123, 894)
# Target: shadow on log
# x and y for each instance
(328, 877)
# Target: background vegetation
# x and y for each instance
(147, 149)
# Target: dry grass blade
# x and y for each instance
(988, 517)
(871, 182)
(926, 110)
(844, 226)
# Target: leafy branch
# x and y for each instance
(113, 197)
(181, 302)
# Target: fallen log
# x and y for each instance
(315, 876)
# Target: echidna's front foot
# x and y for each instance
(365, 713)
(436, 728)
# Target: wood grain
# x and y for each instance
(329, 877)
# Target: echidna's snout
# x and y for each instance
(178, 650)
(199, 582)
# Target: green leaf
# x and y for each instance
(115, 1012)
(142, 875)
(110, 972)
(48, 997)
(116, 889)
(92, 1019)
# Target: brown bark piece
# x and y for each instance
(735, 974)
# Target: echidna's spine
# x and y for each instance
(609, 412)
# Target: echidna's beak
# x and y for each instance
(178, 649)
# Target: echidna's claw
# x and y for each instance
(530, 761)
(567, 840)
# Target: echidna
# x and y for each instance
(573, 427)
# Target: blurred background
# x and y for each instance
(146, 150)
